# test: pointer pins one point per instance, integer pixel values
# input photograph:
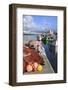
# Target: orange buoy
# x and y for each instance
(35, 65)
(29, 68)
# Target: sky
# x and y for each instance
(39, 23)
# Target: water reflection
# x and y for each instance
(52, 57)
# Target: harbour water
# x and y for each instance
(52, 57)
(27, 38)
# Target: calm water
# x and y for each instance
(27, 38)
(52, 57)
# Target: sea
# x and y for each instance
(27, 38)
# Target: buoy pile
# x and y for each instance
(32, 60)
(34, 67)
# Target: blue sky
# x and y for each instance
(40, 23)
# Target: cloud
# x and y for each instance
(31, 25)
